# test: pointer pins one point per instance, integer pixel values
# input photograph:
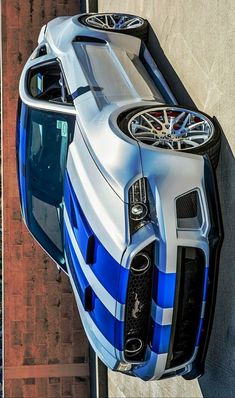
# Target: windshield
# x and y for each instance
(48, 137)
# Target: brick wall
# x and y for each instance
(46, 351)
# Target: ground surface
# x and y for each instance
(195, 40)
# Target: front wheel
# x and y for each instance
(117, 22)
(174, 128)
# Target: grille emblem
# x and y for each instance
(136, 310)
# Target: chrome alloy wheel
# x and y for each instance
(171, 127)
(114, 21)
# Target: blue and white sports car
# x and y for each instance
(116, 184)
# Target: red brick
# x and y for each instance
(29, 390)
(35, 302)
(30, 316)
(54, 391)
(40, 354)
(41, 388)
(41, 326)
(67, 387)
(41, 311)
(66, 307)
(17, 389)
(66, 330)
(81, 390)
(17, 332)
(66, 352)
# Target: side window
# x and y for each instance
(48, 136)
(46, 82)
(48, 218)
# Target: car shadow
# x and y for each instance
(219, 377)
(171, 77)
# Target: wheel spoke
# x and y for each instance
(168, 144)
(152, 139)
(184, 123)
(179, 144)
(190, 143)
(177, 118)
(114, 21)
(136, 126)
(120, 22)
(166, 120)
(97, 21)
(195, 125)
(132, 22)
(147, 121)
(156, 143)
(158, 127)
(143, 134)
(193, 132)
(154, 118)
(197, 137)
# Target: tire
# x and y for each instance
(141, 32)
(211, 148)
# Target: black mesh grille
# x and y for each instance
(189, 211)
(187, 205)
(188, 302)
(138, 305)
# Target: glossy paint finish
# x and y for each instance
(102, 164)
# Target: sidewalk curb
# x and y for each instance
(89, 6)
(98, 376)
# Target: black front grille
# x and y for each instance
(188, 303)
(138, 305)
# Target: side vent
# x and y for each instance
(188, 209)
(88, 39)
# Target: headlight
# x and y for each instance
(138, 205)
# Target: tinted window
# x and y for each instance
(47, 148)
(48, 137)
(46, 82)
(48, 218)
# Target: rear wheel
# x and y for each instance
(117, 22)
(174, 128)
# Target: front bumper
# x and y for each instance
(168, 295)
(107, 338)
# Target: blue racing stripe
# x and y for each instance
(205, 283)
(199, 331)
(164, 288)
(206, 274)
(109, 326)
(160, 338)
(106, 269)
(163, 296)
(75, 268)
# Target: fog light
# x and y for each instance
(138, 211)
(138, 205)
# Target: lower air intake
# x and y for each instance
(188, 304)
(188, 211)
